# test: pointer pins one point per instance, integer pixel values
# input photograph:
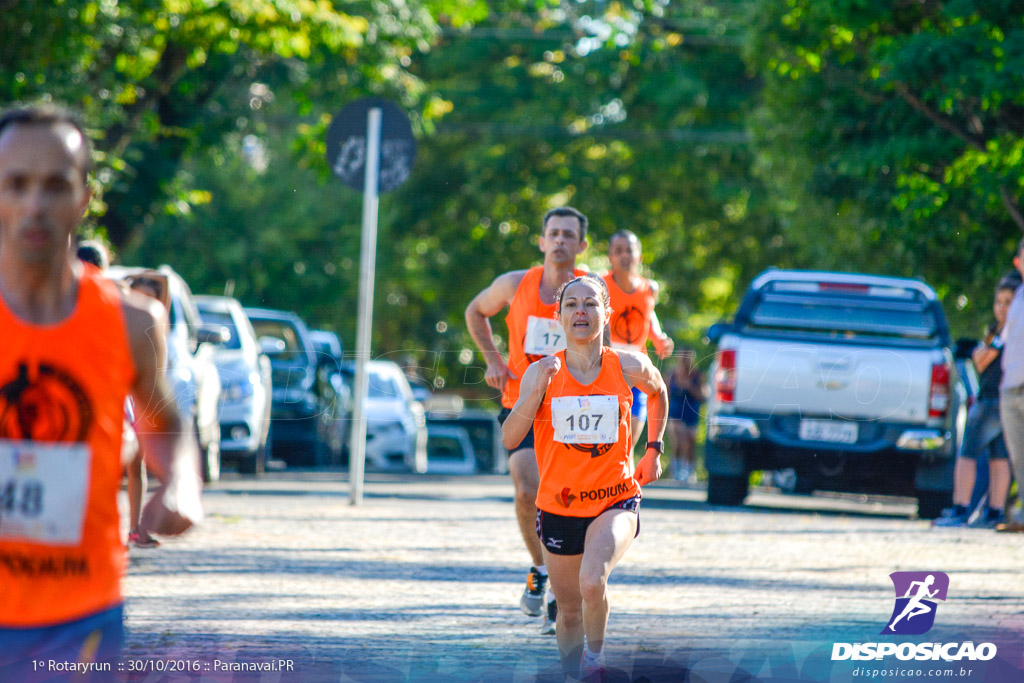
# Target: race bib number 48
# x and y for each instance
(544, 336)
(43, 490)
(585, 419)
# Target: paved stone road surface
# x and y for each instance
(422, 582)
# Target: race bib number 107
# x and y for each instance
(43, 489)
(585, 419)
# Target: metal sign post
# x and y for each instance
(367, 272)
(375, 158)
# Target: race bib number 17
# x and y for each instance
(585, 419)
(544, 336)
(43, 490)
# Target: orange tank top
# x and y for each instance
(62, 397)
(533, 331)
(631, 314)
(579, 478)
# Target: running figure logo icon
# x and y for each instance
(916, 593)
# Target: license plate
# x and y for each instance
(827, 430)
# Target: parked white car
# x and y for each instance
(396, 424)
(245, 379)
(449, 451)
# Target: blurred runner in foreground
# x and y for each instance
(74, 347)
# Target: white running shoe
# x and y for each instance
(532, 601)
(593, 666)
(550, 614)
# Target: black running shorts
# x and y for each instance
(563, 535)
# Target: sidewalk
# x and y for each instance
(422, 582)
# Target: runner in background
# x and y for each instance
(95, 253)
(154, 285)
(533, 333)
(633, 319)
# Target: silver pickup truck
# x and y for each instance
(847, 379)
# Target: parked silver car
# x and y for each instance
(396, 424)
(245, 378)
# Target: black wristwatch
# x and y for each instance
(656, 445)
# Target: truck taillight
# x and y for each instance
(938, 395)
(725, 376)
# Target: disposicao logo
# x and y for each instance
(916, 596)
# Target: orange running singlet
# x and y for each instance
(533, 331)
(631, 314)
(62, 393)
(582, 437)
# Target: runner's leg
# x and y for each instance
(608, 538)
(998, 482)
(135, 486)
(522, 466)
(690, 447)
(964, 473)
(638, 416)
(564, 574)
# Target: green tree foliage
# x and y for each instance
(160, 80)
(730, 136)
(893, 133)
(635, 116)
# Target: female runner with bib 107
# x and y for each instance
(578, 403)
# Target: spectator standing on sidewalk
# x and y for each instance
(984, 431)
(1011, 390)
(685, 396)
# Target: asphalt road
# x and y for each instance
(421, 582)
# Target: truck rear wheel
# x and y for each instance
(727, 490)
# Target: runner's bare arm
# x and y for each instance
(484, 305)
(531, 395)
(165, 437)
(663, 344)
(641, 373)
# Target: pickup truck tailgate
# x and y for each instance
(818, 379)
